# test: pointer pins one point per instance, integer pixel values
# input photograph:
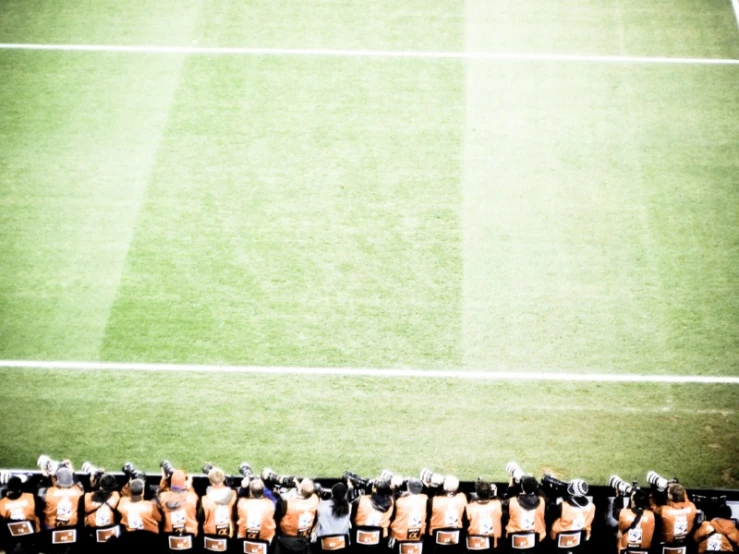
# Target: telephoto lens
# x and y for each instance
(654, 478)
(621, 486)
(206, 468)
(245, 470)
(89, 468)
(515, 471)
(431, 479)
(168, 468)
(47, 465)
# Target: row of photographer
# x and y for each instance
(274, 514)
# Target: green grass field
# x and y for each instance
(313, 211)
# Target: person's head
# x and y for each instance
(382, 486)
(107, 483)
(451, 484)
(415, 486)
(676, 493)
(64, 478)
(15, 487)
(529, 485)
(136, 487)
(485, 490)
(178, 481)
(216, 476)
(306, 487)
(256, 488)
(339, 491)
(639, 499)
(724, 512)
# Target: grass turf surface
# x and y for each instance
(382, 213)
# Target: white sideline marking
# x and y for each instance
(502, 56)
(735, 5)
(376, 373)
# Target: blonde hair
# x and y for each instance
(216, 476)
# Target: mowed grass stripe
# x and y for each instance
(300, 213)
(316, 426)
(81, 138)
(578, 253)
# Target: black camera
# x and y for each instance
(132, 472)
(245, 471)
(323, 492)
(285, 481)
(356, 481)
(168, 468)
(554, 485)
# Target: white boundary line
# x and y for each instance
(735, 5)
(375, 373)
(501, 56)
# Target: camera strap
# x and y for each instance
(98, 507)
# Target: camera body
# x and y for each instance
(284, 481)
(167, 467)
(132, 472)
(553, 486)
(356, 481)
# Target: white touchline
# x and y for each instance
(374, 373)
(501, 56)
(735, 5)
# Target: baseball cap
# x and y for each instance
(178, 480)
(64, 477)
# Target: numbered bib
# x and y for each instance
(635, 536)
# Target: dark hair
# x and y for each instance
(341, 504)
(382, 499)
(724, 512)
(529, 485)
(484, 490)
(676, 492)
(640, 499)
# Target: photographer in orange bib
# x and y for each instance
(483, 518)
(446, 518)
(61, 505)
(296, 514)
(408, 528)
(216, 511)
(19, 524)
(179, 505)
(100, 517)
(372, 515)
(524, 514)
(255, 523)
(139, 519)
(676, 514)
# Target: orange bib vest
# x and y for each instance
(142, 515)
(410, 518)
(22, 508)
(521, 519)
(638, 537)
(256, 518)
(485, 519)
(716, 535)
(61, 506)
(447, 512)
(299, 516)
(180, 516)
(218, 518)
(101, 514)
(574, 518)
(368, 516)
